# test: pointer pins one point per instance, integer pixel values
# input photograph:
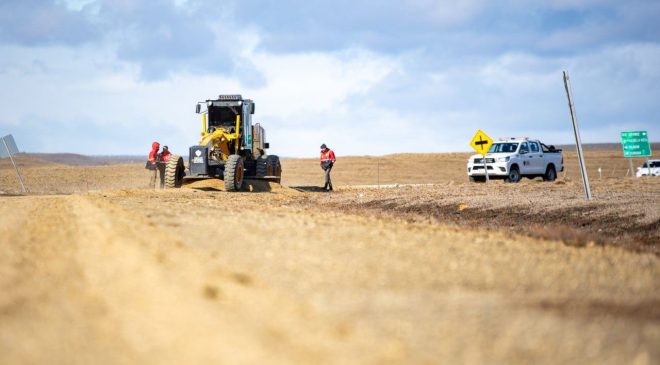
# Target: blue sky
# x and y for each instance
(365, 77)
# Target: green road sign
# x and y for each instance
(635, 144)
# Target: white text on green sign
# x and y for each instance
(635, 144)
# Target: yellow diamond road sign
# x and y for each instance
(481, 142)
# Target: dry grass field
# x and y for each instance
(95, 268)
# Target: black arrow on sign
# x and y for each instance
(481, 143)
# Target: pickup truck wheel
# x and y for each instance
(550, 173)
(514, 175)
(477, 179)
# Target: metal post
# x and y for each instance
(648, 166)
(486, 168)
(20, 178)
(578, 142)
(378, 172)
(632, 172)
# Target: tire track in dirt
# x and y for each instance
(631, 221)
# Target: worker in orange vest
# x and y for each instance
(165, 155)
(327, 161)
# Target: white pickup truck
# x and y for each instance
(512, 158)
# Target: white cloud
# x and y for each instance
(301, 91)
(359, 102)
(521, 72)
(299, 86)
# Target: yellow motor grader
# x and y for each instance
(231, 147)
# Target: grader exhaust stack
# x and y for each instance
(231, 147)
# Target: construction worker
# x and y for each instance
(163, 157)
(152, 164)
(327, 161)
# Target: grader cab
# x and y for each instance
(231, 147)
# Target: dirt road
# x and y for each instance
(197, 277)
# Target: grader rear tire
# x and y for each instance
(234, 173)
(174, 172)
(262, 166)
(274, 168)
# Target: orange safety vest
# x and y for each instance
(328, 155)
(164, 156)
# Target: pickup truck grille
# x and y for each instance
(481, 160)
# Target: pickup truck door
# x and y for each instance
(525, 160)
(537, 161)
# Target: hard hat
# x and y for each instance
(324, 146)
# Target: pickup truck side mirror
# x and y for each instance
(523, 152)
(198, 108)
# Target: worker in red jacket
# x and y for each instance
(327, 161)
(152, 164)
(165, 155)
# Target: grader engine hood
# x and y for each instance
(221, 142)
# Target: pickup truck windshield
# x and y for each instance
(503, 148)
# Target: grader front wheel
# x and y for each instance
(174, 172)
(234, 173)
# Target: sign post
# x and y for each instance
(576, 131)
(630, 168)
(378, 172)
(10, 146)
(481, 143)
(636, 144)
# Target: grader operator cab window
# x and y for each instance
(223, 116)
